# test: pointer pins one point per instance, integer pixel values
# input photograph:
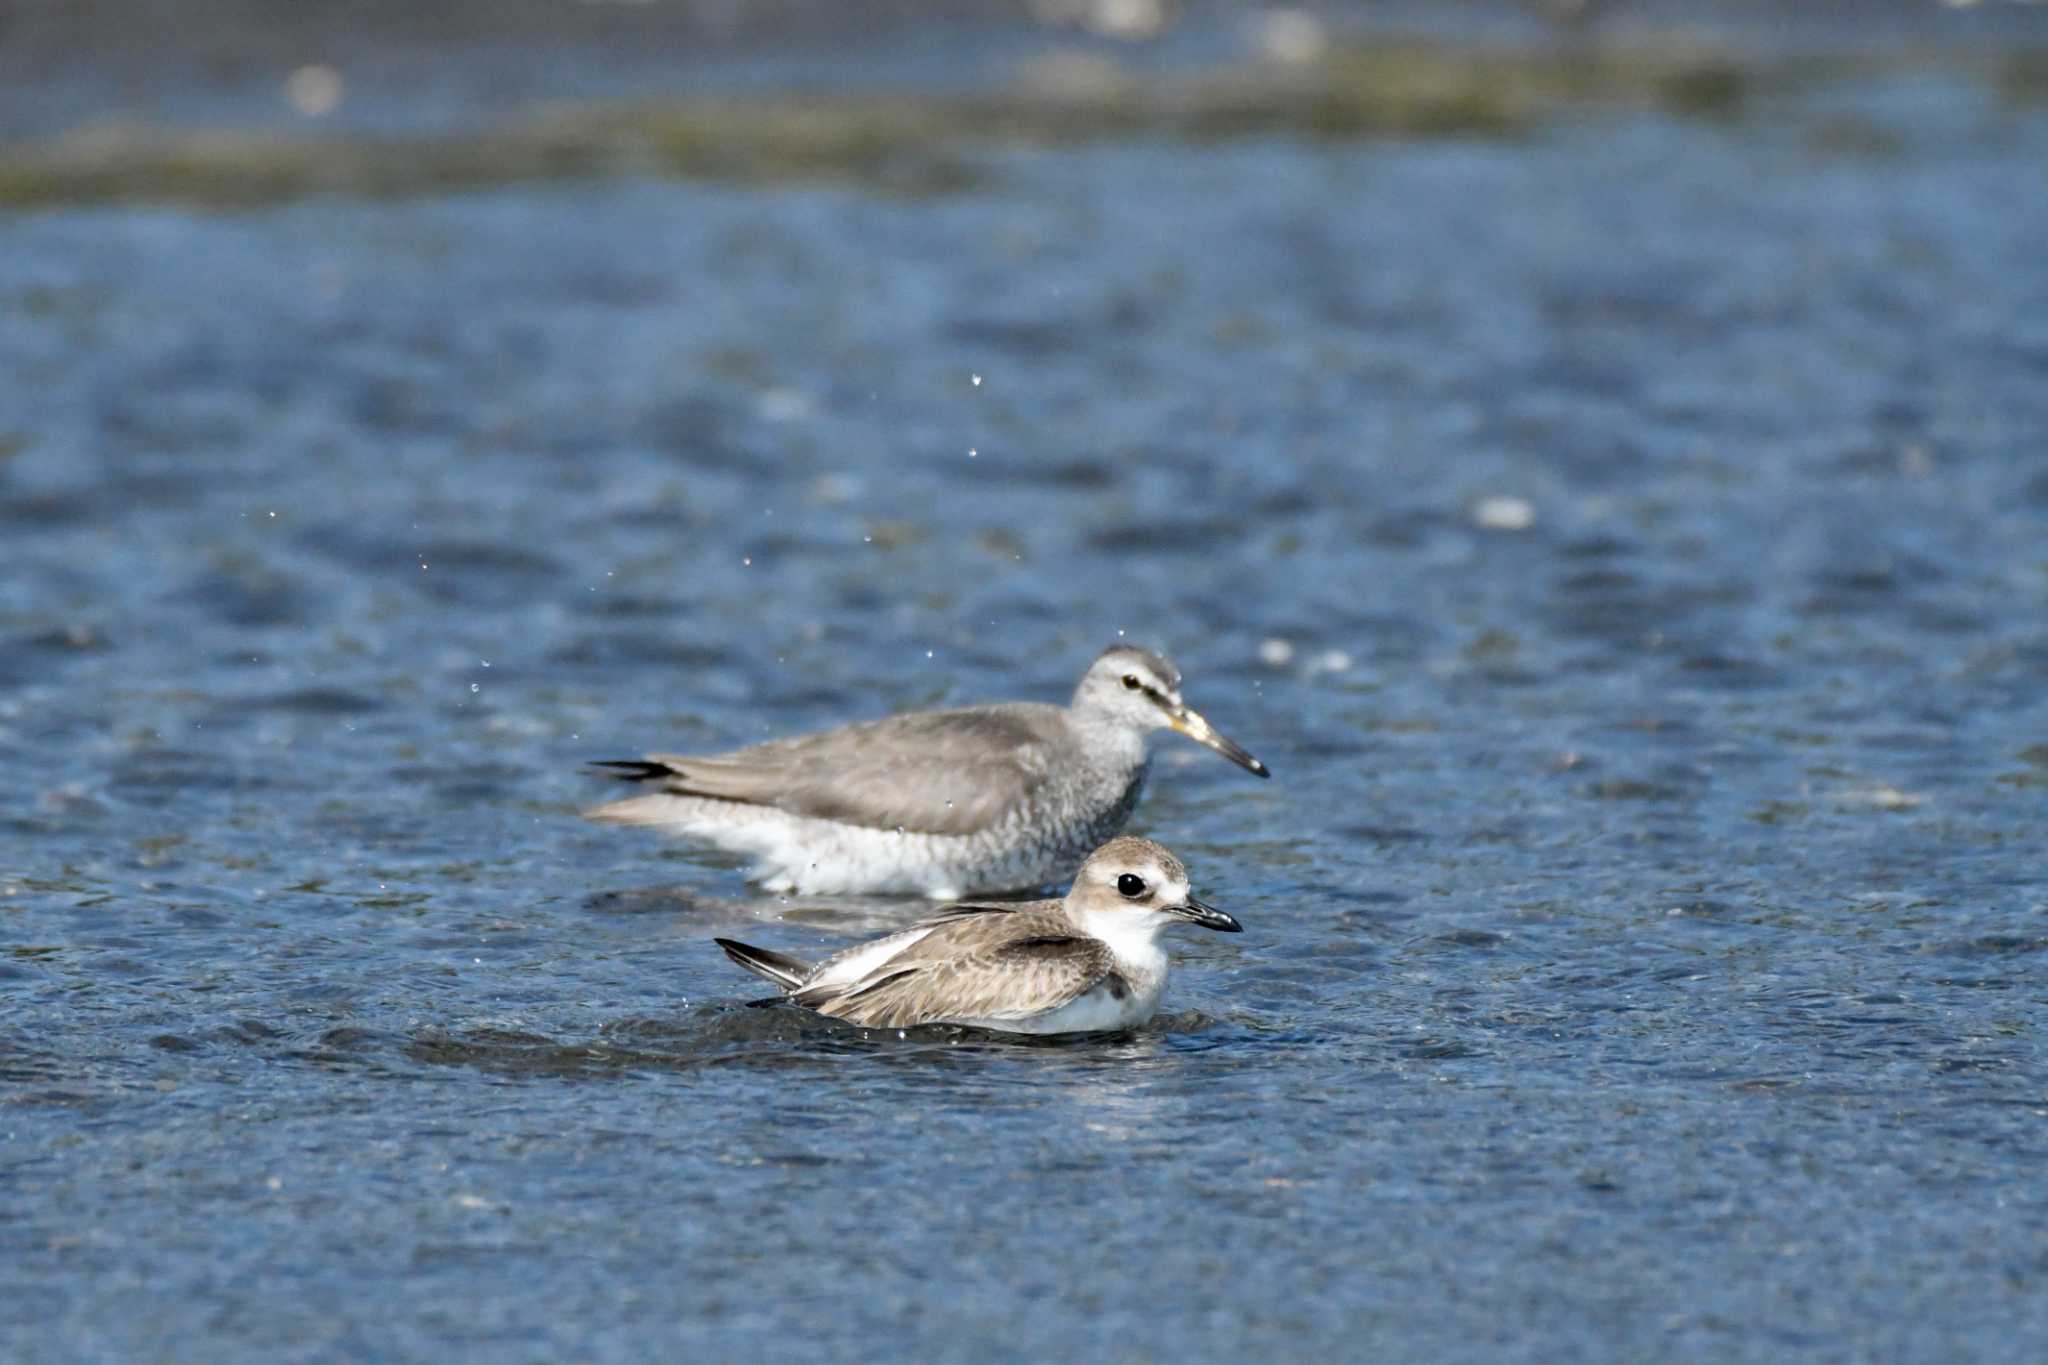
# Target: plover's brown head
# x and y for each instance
(1133, 877)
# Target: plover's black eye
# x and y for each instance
(1131, 884)
(1131, 681)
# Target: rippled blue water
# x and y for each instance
(1628, 547)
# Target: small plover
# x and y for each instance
(1089, 963)
(943, 804)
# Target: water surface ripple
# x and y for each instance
(1626, 546)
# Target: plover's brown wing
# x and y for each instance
(991, 967)
(854, 966)
(928, 772)
(967, 910)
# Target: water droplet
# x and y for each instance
(1504, 513)
(476, 687)
(315, 91)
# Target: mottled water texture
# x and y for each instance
(1627, 542)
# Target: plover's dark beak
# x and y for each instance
(1189, 722)
(1208, 916)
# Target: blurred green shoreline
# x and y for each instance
(926, 143)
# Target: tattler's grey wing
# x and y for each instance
(930, 772)
(993, 966)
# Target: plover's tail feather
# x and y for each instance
(785, 972)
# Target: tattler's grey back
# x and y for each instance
(967, 801)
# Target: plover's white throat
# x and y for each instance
(1089, 963)
(937, 803)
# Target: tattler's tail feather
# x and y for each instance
(632, 769)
